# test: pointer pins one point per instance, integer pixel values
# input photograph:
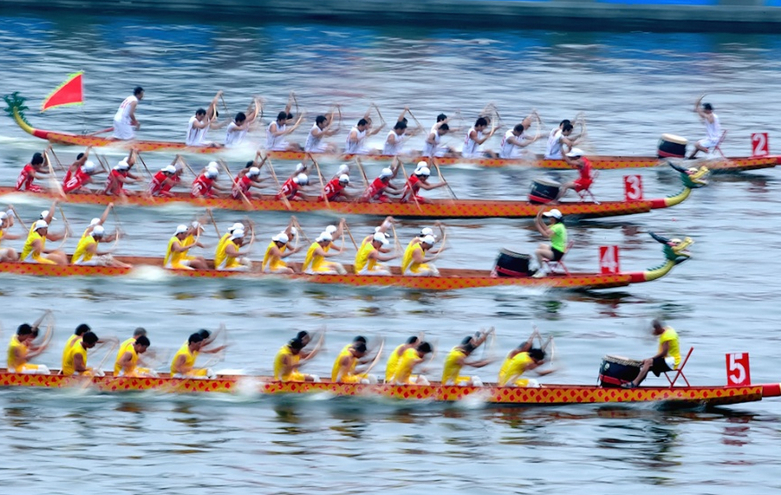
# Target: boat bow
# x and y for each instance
(675, 252)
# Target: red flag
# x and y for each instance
(71, 92)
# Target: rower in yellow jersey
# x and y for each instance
(383, 228)
(414, 261)
(76, 358)
(411, 358)
(236, 226)
(21, 348)
(277, 250)
(183, 363)
(517, 363)
(456, 359)
(366, 261)
(193, 232)
(667, 358)
(393, 360)
(176, 255)
(138, 332)
(6, 222)
(35, 251)
(315, 261)
(228, 257)
(344, 368)
(289, 358)
(127, 364)
(76, 337)
(87, 254)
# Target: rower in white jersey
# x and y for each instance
(356, 139)
(712, 128)
(277, 130)
(475, 137)
(559, 137)
(320, 129)
(516, 140)
(125, 123)
(199, 124)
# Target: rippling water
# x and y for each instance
(632, 86)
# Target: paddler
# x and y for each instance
(164, 180)
(575, 158)
(292, 188)
(277, 250)
(138, 332)
(368, 257)
(667, 358)
(517, 363)
(76, 337)
(121, 175)
(199, 124)
(87, 254)
(76, 183)
(320, 129)
(414, 261)
(287, 361)
(417, 181)
(378, 190)
(228, 257)
(356, 138)
(21, 348)
(556, 232)
(433, 146)
(205, 184)
(236, 226)
(383, 229)
(475, 137)
(125, 122)
(80, 160)
(176, 257)
(394, 141)
(34, 250)
(242, 184)
(238, 128)
(35, 169)
(183, 363)
(6, 222)
(127, 364)
(560, 141)
(457, 359)
(393, 360)
(407, 362)
(515, 141)
(712, 128)
(278, 129)
(315, 262)
(75, 362)
(335, 190)
(345, 366)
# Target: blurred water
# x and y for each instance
(632, 86)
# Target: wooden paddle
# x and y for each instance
(52, 176)
(396, 242)
(59, 163)
(284, 199)
(298, 226)
(412, 193)
(376, 358)
(244, 197)
(144, 164)
(322, 183)
(347, 229)
(436, 165)
(16, 214)
(211, 216)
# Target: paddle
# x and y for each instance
(442, 246)
(244, 197)
(67, 229)
(363, 172)
(282, 196)
(214, 223)
(411, 192)
(52, 176)
(16, 214)
(320, 176)
(143, 163)
(376, 358)
(347, 229)
(188, 167)
(396, 242)
(298, 226)
(417, 122)
(436, 165)
(59, 163)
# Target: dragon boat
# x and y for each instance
(687, 396)
(675, 252)
(435, 208)
(16, 108)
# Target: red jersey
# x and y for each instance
(289, 189)
(26, 178)
(376, 188)
(584, 181)
(77, 180)
(114, 185)
(413, 184)
(585, 170)
(241, 185)
(332, 189)
(202, 187)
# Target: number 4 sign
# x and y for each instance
(633, 188)
(608, 260)
(759, 144)
(738, 371)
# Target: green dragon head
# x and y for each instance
(695, 177)
(675, 250)
(15, 103)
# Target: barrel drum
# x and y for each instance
(616, 370)
(544, 191)
(511, 264)
(671, 146)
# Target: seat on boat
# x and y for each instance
(558, 266)
(679, 371)
(718, 145)
(584, 193)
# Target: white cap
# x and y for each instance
(236, 226)
(422, 164)
(237, 234)
(300, 168)
(553, 213)
(575, 152)
(429, 239)
(2, 216)
(181, 229)
(44, 213)
(343, 169)
(293, 231)
(325, 236)
(94, 221)
(212, 173)
(169, 169)
(426, 231)
(213, 165)
(88, 167)
(253, 171)
(122, 165)
(331, 229)
(281, 237)
(196, 225)
(301, 179)
(40, 224)
(98, 230)
(380, 237)
(386, 172)
(344, 178)
(423, 171)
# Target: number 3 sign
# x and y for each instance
(633, 188)
(738, 371)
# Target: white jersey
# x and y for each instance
(396, 147)
(713, 128)
(276, 143)
(510, 150)
(355, 148)
(471, 148)
(314, 143)
(122, 127)
(233, 136)
(553, 150)
(432, 149)
(194, 135)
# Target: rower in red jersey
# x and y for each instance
(165, 179)
(81, 159)
(80, 178)
(31, 171)
(378, 189)
(335, 189)
(585, 178)
(291, 189)
(243, 183)
(417, 181)
(205, 185)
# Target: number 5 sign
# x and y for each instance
(759, 144)
(608, 260)
(738, 371)
(633, 188)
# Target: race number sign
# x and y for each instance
(738, 371)
(759, 144)
(633, 188)
(608, 260)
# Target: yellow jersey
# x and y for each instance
(362, 259)
(392, 364)
(279, 362)
(71, 340)
(81, 253)
(77, 348)
(314, 262)
(452, 366)
(130, 368)
(674, 350)
(27, 251)
(407, 363)
(189, 358)
(224, 261)
(16, 363)
(514, 367)
(273, 262)
(222, 241)
(122, 349)
(406, 259)
(174, 259)
(345, 352)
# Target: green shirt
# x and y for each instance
(558, 240)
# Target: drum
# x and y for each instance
(544, 191)
(671, 146)
(616, 370)
(510, 264)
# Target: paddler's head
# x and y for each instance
(518, 130)
(362, 125)
(240, 118)
(88, 167)
(538, 355)
(295, 346)
(41, 227)
(280, 239)
(89, 340)
(441, 117)
(194, 227)
(321, 121)
(707, 108)
(4, 220)
(481, 123)
(281, 117)
(138, 332)
(200, 114)
(25, 333)
(141, 344)
(657, 326)
(138, 92)
(37, 160)
(204, 333)
(97, 232)
(554, 215)
(423, 348)
(467, 345)
(324, 239)
(422, 172)
(563, 123)
(400, 127)
(359, 339)
(304, 337)
(385, 175)
(195, 342)
(253, 173)
(427, 242)
(358, 350)
(412, 340)
(181, 232)
(169, 170)
(379, 240)
(443, 129)
(82, 329)
(566, 129)
(237, 237)
(344, 180)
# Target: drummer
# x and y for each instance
(668, 357)
(576, 159)
(712, 128)
(556, 232)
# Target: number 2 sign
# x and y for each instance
(759, 144)
(633, 188)
(608, 260)
(738, 371)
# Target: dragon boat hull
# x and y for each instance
(490, 394)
